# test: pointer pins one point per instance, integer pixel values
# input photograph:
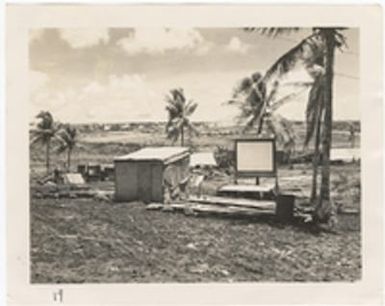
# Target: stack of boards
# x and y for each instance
(220, 205)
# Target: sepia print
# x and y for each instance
(194, 154)
(118, 114)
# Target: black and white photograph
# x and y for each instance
(194, 154)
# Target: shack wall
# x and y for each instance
(126, 181)
(144, 180)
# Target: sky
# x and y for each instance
(84, 75)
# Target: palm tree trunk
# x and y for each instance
(69, 160)
(47, 155)
(260, 126)
(324, 205)
(316, 157)
(182, 136)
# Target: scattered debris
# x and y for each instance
(154, 206)
(73, 179)
(191, 246)
(93, 172)
(202, 159)
(345, 154)
(103, 196)
(200, 268)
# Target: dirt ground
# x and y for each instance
(86, 241)
(89, 241)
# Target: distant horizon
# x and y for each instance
(194, 121)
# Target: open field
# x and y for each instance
(84, 241)
(89, 241)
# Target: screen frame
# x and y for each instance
(249, 174)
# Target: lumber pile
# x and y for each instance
(218, 205)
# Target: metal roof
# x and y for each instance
(163, 154)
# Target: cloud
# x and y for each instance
(160, 40)
(37, 80)
(121, 98)
(237, 46)
(35, 34)
(84, 37)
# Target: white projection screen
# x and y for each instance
(255, 157)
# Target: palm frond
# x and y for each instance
(178, 109)
(243, 87)
(282, 130)
(173, 133)
(273, 93)
(191, 128)
(190, 108)
(249, 122)
(35, 139)
(272, 31)
(66, 138)
(288, 60)
(297, 84)
(285, 99)
(314, 108)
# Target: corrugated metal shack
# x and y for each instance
(146, 175)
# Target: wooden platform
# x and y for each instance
(234, 202)
(282, 207)
(192, 208)
(260, 192)
(247, 188)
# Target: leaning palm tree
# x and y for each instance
(179, 110)
(258, 107)
(44, 133)
(329, 39)
(314, 116)
(67, 140)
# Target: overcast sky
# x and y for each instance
(118, 75)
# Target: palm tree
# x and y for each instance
(179, 110)
(322, 41)
(44, 133)
(258, 107)
(67, 138)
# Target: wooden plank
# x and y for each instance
(247, 188)
(195, 208)
(229, 210)
(226, 201)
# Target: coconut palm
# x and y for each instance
(258, 108)
(179, 110)
(45, 132)
(322, 41)
(67, 140)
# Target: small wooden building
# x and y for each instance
(144, 175)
